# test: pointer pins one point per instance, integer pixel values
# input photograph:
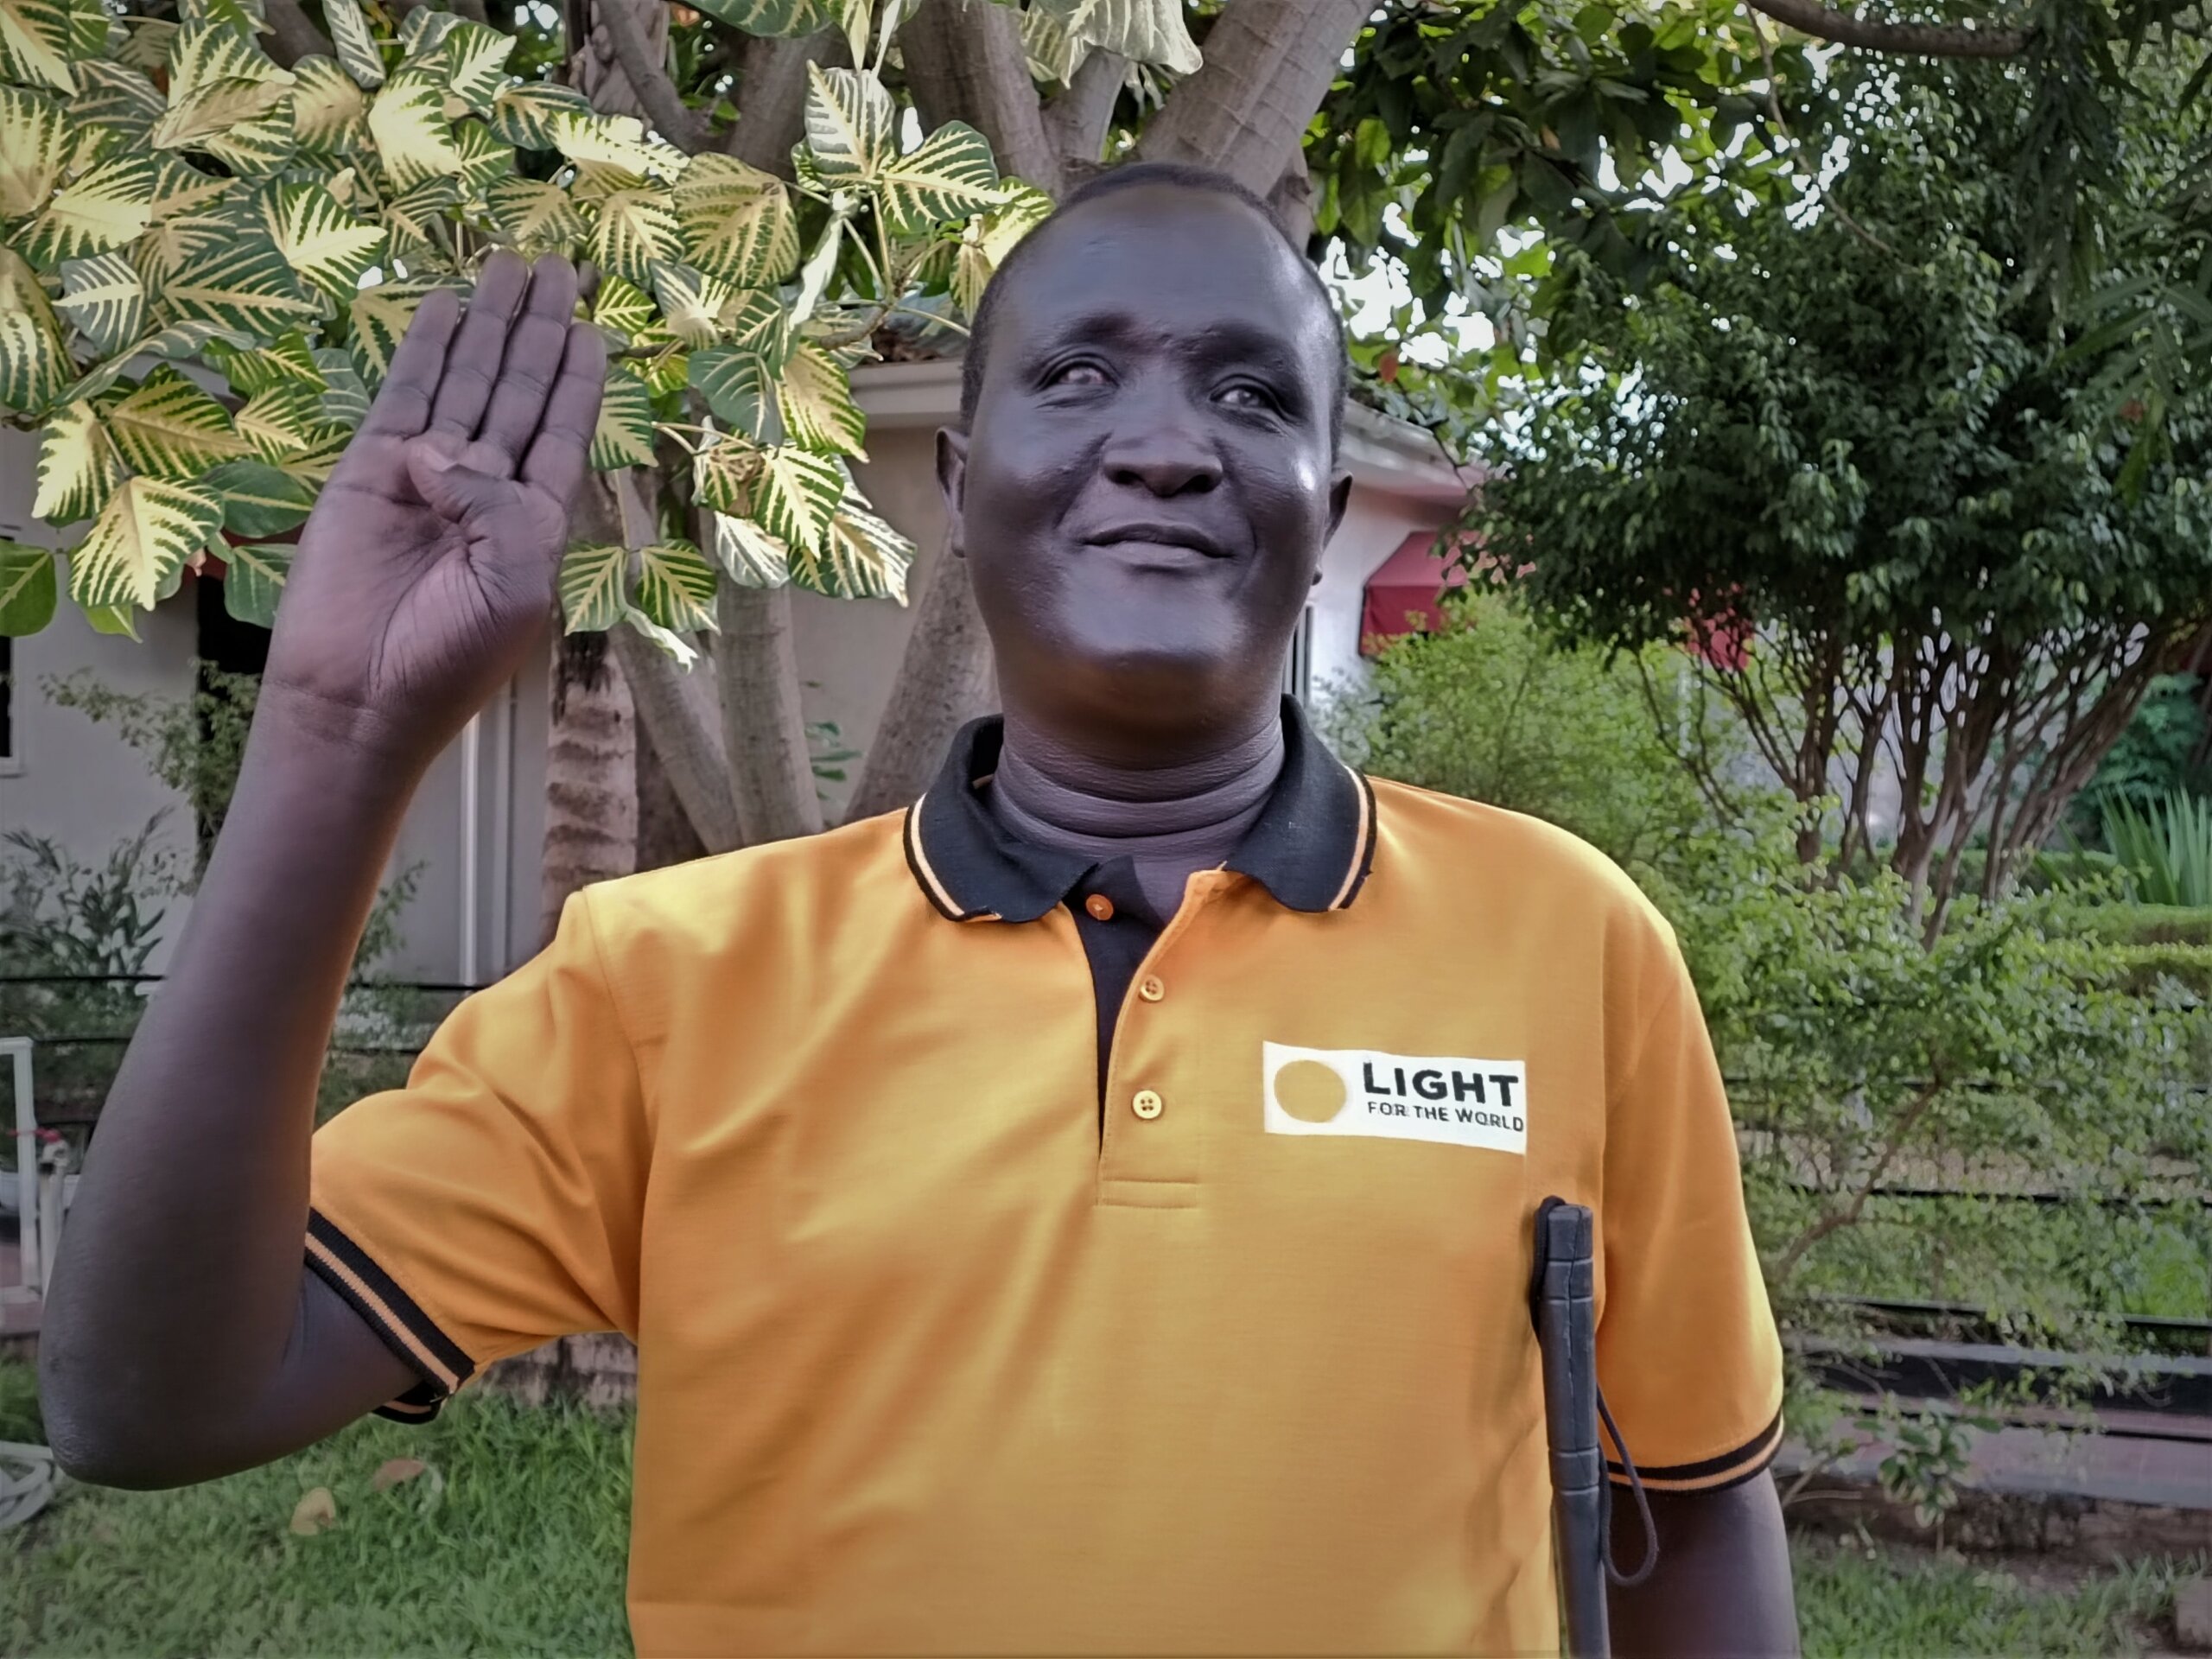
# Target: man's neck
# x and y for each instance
(1171, 820)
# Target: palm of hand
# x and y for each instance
(428, 567)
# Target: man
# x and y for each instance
(1089, 1212)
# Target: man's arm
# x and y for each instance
(184, 1338)
(1722, 1584)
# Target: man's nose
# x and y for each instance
(1163, 451)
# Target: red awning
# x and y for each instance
(1402, 594)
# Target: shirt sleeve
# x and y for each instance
(495, 1201)
(1687, 1356)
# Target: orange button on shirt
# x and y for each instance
(936, 1356)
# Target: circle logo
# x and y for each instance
(1310, 1091)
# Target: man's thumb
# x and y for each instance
(457, 492)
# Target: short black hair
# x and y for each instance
(1182, 175)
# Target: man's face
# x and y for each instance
(1146, 485)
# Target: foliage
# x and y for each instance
(2164, 846)
(2167, 745)
(1853, 429)
(193, 745)
(1491, 710)
(173, 193)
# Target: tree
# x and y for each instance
(1867, 436)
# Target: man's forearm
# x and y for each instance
(1722, 1585)
(178, 1289)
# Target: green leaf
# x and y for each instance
(676, 586)
(289, 362)
(534, 216)
(149, 43)
(752, 556)
(77, 468)
(245, 287)
(259, 148)
(281, 421)
(595, 581)
(691, 304)
(319, 240)
(626, 309)
(722, 475)
(861, 555)
(736, 387)
(168, 427)
(35, 144)
(142, 536)
(851, 125)
(345, 399)
(636, 231)
(34, 43)
(329, 111)
(794, 497)
(821, 265)
(116, 97)
(253, 580)
(357, 48)
(475, 63)
(29, 590)
(33, 364)
(523, 114)
(948, 176)
(625, 434)
(1143, 31)
(666, 638)
(484, 159)
(784, 18)
(205, 53)
(991, 237)
(815, 398)
(112, 618)
(616, 142)
(257, 499)
(106, 300)
(380, 317)
(413, 137)
(737, 222)
(758, 321)
(414, 215)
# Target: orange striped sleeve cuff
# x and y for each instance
(393, 1315)
(1710, 1474)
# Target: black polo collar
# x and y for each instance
(1311, 847)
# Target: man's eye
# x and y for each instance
(1244, 395)
(1077, 374)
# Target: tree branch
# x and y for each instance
(677, 710)
(944, 680)
(764, 733)
(965, 62)
(1079, 115)
(293, 36)
(772, 91)
(648, 73)
(1904, 40)
(1246, 110)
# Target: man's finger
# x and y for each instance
(474, 363)
(556, 462)
(533, 360)
(403, 408)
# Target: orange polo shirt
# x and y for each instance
(936, 1357)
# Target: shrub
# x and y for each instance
(2163, 846)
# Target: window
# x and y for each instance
(1298, 665)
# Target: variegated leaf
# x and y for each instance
(676, 586)
(320, 240)
(691, 303)
(484, 159)
(28, 590)
(595, 581)
(523, 114)
(182, 191)
(245, 288)
(413, 137)
(611, 141)
(112, 618)
(281, 422)
(142, 538)
(795, 496)
(535, 216)
(380, 317)
(357, 47)
(33, 363)
(344, 398)
(179, 342)
(35, 42)
(253, 580)
(77, 468)
(106, 300)
(197, 119)
(35, 144)
(722, 475)
(423, 31)
(626, 309)
(674, 644)
(245, 17)
(415, 214)
(329, 112)
(772, 18)
(258, 148)
(168, 427)
(758, 321)
(861, 555)
(636, 231)
(1143, 31)
(106, 208)
(475, 63)
(1051, 46)
(257, 499)
(816, 401)
(752, 556)
(314, 468)
(991, 237)
(851, 125)
(948, 176)
(625, 434)
(205, 53)
(737, 222)
(736, 385)
(115, 96)
(149, 44)
(287, 362)
(665, 371)
(170, 244)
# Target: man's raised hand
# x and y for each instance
(428, 568)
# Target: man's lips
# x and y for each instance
(1156, 533)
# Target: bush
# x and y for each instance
(2163, 846)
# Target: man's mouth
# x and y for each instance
(1157, 533)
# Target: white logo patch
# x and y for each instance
(1462, 1103)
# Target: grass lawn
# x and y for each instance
(513, 1543)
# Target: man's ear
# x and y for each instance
(1339, 499)
(952, 484)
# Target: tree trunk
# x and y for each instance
(677, 710)
(965, 62)
(664, 833)
(944, 680)
(763, 731)
(591, 768)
